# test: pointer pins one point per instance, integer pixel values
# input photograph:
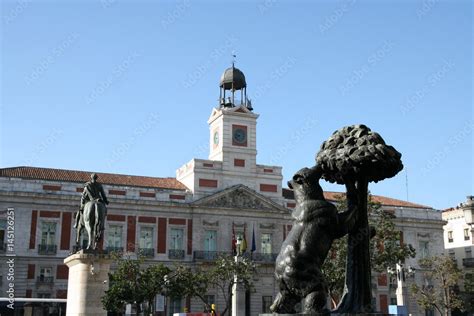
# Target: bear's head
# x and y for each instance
(305, 184)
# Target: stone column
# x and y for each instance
(238, 298)
(88, 281)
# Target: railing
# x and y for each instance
(47, 249)
(200, 255)
(111, 249)
(468, 262)
(146, 252)
(45, 279)
(262, 257)
(176, 254)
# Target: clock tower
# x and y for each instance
(232, 146)
(233, 125)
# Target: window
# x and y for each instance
(146, 237)
(466, 233)
(424, 249)
(45, 271)
(48, 233)
(468, 252)
(266, 303)
(175, 306)
(3, 227)
(429, 312)
(450, 236)
(114, 238)
(210, 243)
(84, 240)
(266, 245)
(209, 299)
(176, 239)
(45, 275)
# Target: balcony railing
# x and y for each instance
(111, 249)
(176, 254)
(147, 252)
(209, 255)
(47, 249)
(262, 257)
(468, 262)
(45, 279)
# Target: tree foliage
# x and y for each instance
(386, 248)
(218, 275)
(440, 292)
(132, 284)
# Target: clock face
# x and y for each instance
(216, 138)
(240, 136)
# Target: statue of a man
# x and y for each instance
(93, 190)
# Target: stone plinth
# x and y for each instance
(88, 281)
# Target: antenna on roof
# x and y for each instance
(406, 181)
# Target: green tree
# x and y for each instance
(440, 293)
(219, 275)
(132, 284)
(386, 248)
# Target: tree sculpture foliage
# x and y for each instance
(386, 248)
(355, 154)
(132, 284)
(440, 289)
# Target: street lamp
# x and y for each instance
(401, 272)
(238, 243)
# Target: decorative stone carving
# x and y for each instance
(239, 198)
(267, 226)
(209, 223)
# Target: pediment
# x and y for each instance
(240, 197)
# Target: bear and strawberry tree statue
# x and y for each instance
(358, 155)
(353, 156)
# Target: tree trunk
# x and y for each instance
(357, 297)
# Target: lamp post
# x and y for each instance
(238, 293)
(401, 272)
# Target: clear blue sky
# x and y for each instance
(127, 87)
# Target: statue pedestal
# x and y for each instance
(86, 286)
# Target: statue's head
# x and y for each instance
(305, 184)
(94, 177)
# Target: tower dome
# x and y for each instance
(233, 79)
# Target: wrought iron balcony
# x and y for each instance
(111, 249)
(44, 249)
(468, 262)
(200, 255)
(263, 257)
(176, 254)
(45, 279)
(146, 252)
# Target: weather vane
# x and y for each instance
(234, 56)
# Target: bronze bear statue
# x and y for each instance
(317, 223)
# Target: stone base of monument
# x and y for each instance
(87, 283)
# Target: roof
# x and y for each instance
(51, 174)
(386, 201)
(84, 176)
(233, 78)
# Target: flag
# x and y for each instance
(234, 241)
(254, 247)
(243, 244)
